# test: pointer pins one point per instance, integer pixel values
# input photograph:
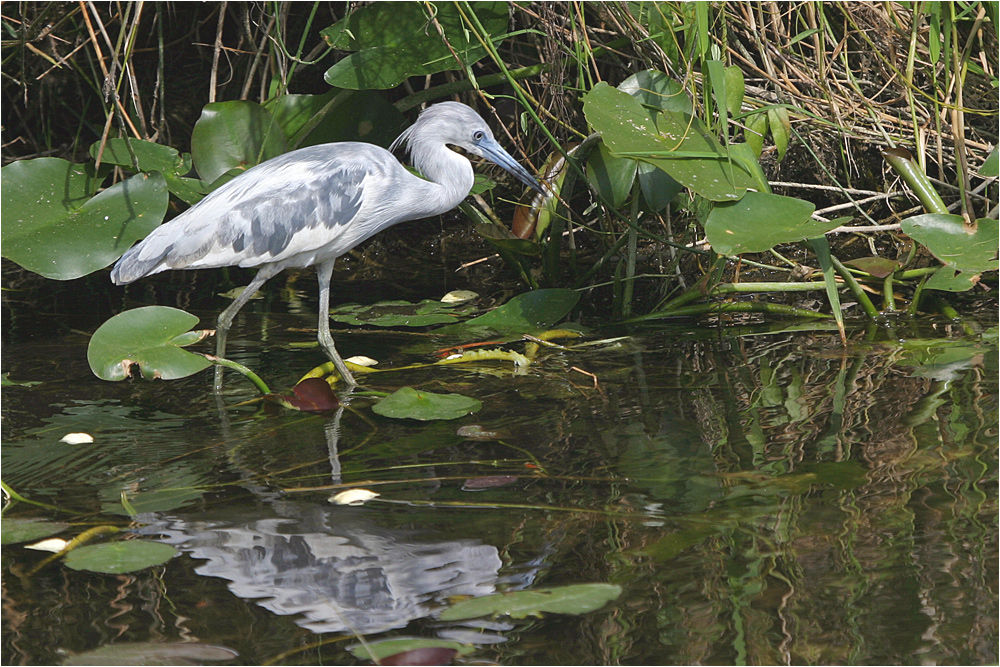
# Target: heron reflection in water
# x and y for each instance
(310, 206)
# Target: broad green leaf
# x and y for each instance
(756, 129)
(144, 336)
(575, 599)
(13, 531)
(151, 653)
(781, 129)
(658, 188)
(150, 156)
(166, 487)
(657, 90)
(504, 239)
(947, 279)
(357, 116)
(677, 143)
(531, 311)
(991, 165)
(947, 238)
(394, 41)
(234, 135)
(612, 176)
(399, 313)
(52, 228)
(735, 88)
(760, 221)
(409, 403)
(377, 651)
(119, 557)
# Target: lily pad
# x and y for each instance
(149, 156)
(147, 337)
(575, 599)
(398, 313)
(531, 311)
(13, 531)
(120, 557)
(760, 221)
(378, 651)
(53, 227)
(956, 246)
(408, 403)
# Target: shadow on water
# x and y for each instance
(761, 494)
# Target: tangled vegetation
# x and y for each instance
(704, 158)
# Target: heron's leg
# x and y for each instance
(227, 316)
(325, 273)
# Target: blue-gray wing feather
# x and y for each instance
(299, 203)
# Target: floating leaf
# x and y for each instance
(491, 482)
(953, 243)
(144, 336)
(379, 651)
(531, 311)
(311, 395)
(120, 557)
(150, 653)
(13, 531)
(52, 226)
(576, 599)
(398, 313)
(408, 403)
(760, 221)
(232, 135)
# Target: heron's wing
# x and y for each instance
(290, 211)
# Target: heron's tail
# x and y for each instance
(140, 260)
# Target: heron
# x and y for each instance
(309, 206)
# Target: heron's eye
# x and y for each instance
(478, 135)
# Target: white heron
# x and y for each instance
(312, 205)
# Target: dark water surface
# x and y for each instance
(761, 495)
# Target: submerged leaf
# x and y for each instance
(152, 653)
(575, 599)
(14, 530)
(120, 557)
(408, 403)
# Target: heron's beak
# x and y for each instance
(495, 153)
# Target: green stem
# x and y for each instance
(240, 368)
(855, 288)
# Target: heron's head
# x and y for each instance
(455, 124)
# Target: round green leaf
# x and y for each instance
(951, 242)
(119, 557)
(760, 221)
(231, 135)
(150, 156)
(52, 228)
(144, 336)
(531, 311)
(13, 531)
(408, 403)
(575, 599)
(383, 649)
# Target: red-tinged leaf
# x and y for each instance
(431, 655)
(311, 395)
(492, 482)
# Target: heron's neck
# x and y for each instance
(450, 176)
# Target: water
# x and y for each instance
(761, 495)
